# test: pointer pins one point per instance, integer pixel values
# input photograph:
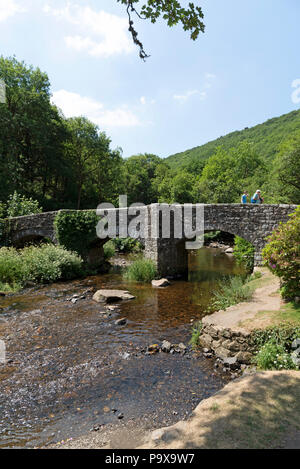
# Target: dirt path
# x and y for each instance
(243, 315)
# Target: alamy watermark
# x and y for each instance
(2, 92)
(296, 94)
(164, 221)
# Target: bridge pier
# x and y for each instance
(169, 256)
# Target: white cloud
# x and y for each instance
(9, 8)
(202, 95)
(210, 76)
(144, 101)
(73, 104)
(184, 97)
(98, 33)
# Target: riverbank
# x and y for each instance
(258, 410)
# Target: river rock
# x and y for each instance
(296, 343)
(231, 362)
(166, 346)
(121, 322)
(295, 356)
(152, 349)
(181, 347)
(244, 357)
(229, 251)
(222, 353)
(163, 282)
(109, 296)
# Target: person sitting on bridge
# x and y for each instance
(257, 198)
(244, 197)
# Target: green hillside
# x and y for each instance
(266, 138)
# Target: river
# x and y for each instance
(70, 368)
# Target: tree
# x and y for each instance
(282, 255)
(170, 10)
(31, 131)
(139, 173)
(95, 167)
(285, 177)
(228, 173)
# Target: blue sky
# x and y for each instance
(242, 71)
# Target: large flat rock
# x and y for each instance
(111, 296)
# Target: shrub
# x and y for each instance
(283, 335)
(231, 292)
(244, 253)
(127, 245)
(75, 230)
(18, 205)
(196, 332)
(273, 356)
(11, 266)
(42, 264)
(282, 255)
(109, 250)
(48, 263)
(141, 270)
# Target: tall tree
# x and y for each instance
(31, 130)
(96, 167)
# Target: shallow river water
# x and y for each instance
(70, 368)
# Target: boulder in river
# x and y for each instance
(163, 282)
(229, 251)
(110, 296)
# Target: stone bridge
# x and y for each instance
(251, 222)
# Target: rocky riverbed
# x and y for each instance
(72, 368)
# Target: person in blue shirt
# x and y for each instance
(257, 198)
(244, 198)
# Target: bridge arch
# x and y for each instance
(24, 237)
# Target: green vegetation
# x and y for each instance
(274, 357)
(244, 253)
(282, 334)
(141, 270)
(274, 346)
(18, 205)
(43, 264)
(266, 138)
(126, 245)
(172, 11)
(231, 292)
(196, 332)
(109, 250)
(61, 163)
(76, 231)
(282, 255)
(69, 163)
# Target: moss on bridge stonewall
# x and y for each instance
(76, 230)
